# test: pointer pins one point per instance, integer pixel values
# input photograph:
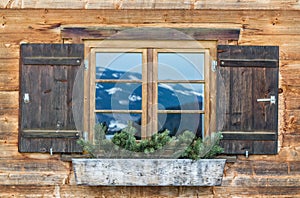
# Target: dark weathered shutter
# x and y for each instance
(47, 77)
(245, 74)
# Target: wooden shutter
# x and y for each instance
(245, 74)
(47, 77)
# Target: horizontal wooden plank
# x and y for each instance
(50, 133)
(10, 150)
(248, 135)
(8, 50)
(248, 53)
(291, 140)
(293, 103)
(114, 33)
(69, 61)
(9, 65)
(260, 191)
(270, 168)
(74, 191)
(294, 167)
(9, 99)
(288, 44)
(34, 166)
(151, 192)
(29, 178)
(152, 4)
(45, 22)
(9, 137)
(9, 123)
(253, 182)
(9, 81)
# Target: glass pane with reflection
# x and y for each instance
(118, 96)
(118, 121)
(178, 123)
(180, 96)
(118, 65)
(180, 66)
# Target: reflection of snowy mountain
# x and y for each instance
(105, 73)
(128, 96)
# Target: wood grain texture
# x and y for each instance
(48, 81)
(259, 27)
(246, 82)
(144, 172)
(152, 4)
(203, 34)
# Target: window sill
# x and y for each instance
(148, 172)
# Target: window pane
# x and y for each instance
(178, 123)
(118, 65)
(181, 96)
(180, 66)
(118, 121)
(118, 96)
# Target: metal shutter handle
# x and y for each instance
(272, 100)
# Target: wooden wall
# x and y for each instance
(42, 175)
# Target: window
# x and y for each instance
(156, 89)
(238, 96)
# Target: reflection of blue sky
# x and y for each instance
(119, 62)
(180, 66)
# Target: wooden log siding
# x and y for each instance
(48, 176)
(153, 4)
(48, 74)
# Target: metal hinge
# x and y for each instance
(86, 64)
(214, 65)
(85, 135)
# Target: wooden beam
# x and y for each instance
(126, 33)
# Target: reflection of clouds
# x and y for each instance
(116, 75)
(99, 86)
(116, 125)
(187, 93)
(197, 93)
(134, 98)
(131, 77)
(123, 102)
(166, 86)
(113, 90)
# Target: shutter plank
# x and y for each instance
(247, 73)
(30, 85)
(46, 94)
(260, 80)
(49, 79)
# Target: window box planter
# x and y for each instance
(148, 172)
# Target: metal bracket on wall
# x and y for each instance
(86, 65)
(214, 65)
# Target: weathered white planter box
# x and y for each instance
(148, 172)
